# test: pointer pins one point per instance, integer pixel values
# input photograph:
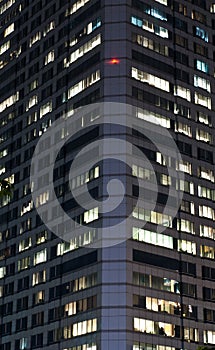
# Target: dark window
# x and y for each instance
(22, 304)
(8, 289)
(37, 340)
(181, 58)
(200, 3)
(21, 324)
(35, 23)
(179, 24)
(5, 328)
(48, 43)
(23, 283)
(188, 289)
(33, 69)
(209, 294)
(47, 75)
(37, 7)
(34, 53)
(209, 315)
(200, 50)
(47, 92)
(182, 75)
(50, 11)
(185, 148)
(198, 16)
(152, 62)
(181, 41)
(38, 319)
(205, 155)
(139, 301)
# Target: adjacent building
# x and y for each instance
(155, 291)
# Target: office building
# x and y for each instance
(155, 291)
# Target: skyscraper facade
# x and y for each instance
(155, 290)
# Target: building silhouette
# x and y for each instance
(154, 291)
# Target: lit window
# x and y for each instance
(40, 257)
(9, 101)
(91, 346)
(201, 33)
(26, 207)
(204, 118)
(153, 327)
(185, 186)
(39, 277)
(81, 51)
(76, 6)
(3, 153)
(41, 237)
(2, 271)
(154, 12)
(183, 129)
(207, 231)
(203, 135)
(185, 226)
(85, 178)
(207, 212)
(64, 247)
(2, 169)
(202, 100)
(202, 83)
(182, 110)
(9, 30)
(33, 85)
(80, 328)
(202, 66)
(150, 79)
(212, 8)
(23, 343)
(182, 92)
(152, 237)
(151, 44)
(154, 28)
(153, 117)
(209, 336)
(25, 244)
(163, 160)
(152, 216)
(49, 57)
(89, 28)
(165, 329)
(6, 5)
(24, 263)
(91, 215)
(84, 84)
(48, 28)
(95, 24)
(142, 173)
(4, 47)
(39, 297)
(35, 38)
(32, 118)
(163, 2)
(206, 174)
(207, 252)
(165, 180)
(162, 32)
(47, 108)
(187, 246)
(32, 102)
(184, 166)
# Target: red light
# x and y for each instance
(114, 61)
